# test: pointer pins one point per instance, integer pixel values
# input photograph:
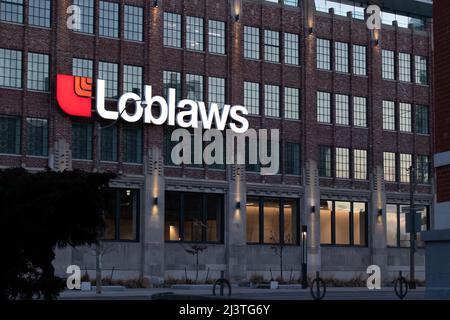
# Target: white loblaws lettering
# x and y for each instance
(214, 115)
(139, 111)
(151, 101)
(240, 119)
(100, 97)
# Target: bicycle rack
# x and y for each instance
(222, 283)
(318, 288)
(401, 286)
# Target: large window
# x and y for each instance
(194, 217)
(251, 43)
(421, 70)
(132, 144)
(291, 49)
(216, 91)
(11, 11)
(360, 164)
(82, 140)
(272, 100)
(360, 112)
(38, 70)
(82, 68)
(341, 53)
(133, 23)
(325, 161)
(122, 215)
(109, 19)
(39, 12)
(87, 15)
(216, 34)
(292, 158)
(292, 103)
(397, 235)
(271, 46)
(9, 135)
(194, 86)
(342, 110)
(10, 68)
(172, 30)
(422, 120)
(323, 107)
(404, 64)
(343, 223)
(194, 33)
(251, 97)
(405, 117)
(359, 60)
(172, 80)
(388, 115)
(389, 165)
(405, 166)
(132, 79)
(343, 163)
(388, 65)
(109, 144)
(272, 220)
(109, 72)
(37, 137)
(423, 169)
(323, 54)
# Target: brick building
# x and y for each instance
(353, 108)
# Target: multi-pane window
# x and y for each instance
(325, 161)
(39, 12)
(272, 100)
(423, 169)
(11, 11)
(360, 164)
(82, 67)
(292, 103)
(359, 60)
(388, 64)
(342, 163)
(251, 43)
(9, 135)
(272, 220)
(292, 158)
(132, 144)
(405, 166)
(194, 87)
(342, 110)
(108, 146)
(341, 56)
(194, 33)
(422, 120)
(360, 112)
(37, 137)
(132, 79)
(396, 233)
(293, 3)
(109, 72)
(323, 107)
(38, 69)
(291, 48)
(388, 115)
(82, 140)
(405, 117)
(404, 67)
(421, 70)
(133, 23)
(87, 15)
(343, 223)
(216, 91)
(389, 165)
(323, 54)
(172, 30)
(172, 80)
(109, 19)
(271, 46)
(10, 68)
(251, 97)
(216, 36)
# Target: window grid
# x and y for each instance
(422, 120)
(292, 103)
(87, 15)
(423, 169)
(360, 164)
(341, 52)
(82, 140)
(293, 158)
(325, 161)
(10, 68)
(132, 145)
(216, 91)
(323, 54)
(82, 68)
(421, 70)
(38, 72)
(172, 30)
(342, 163)
(109, 19)
(272, 100)
(388, 115)
(194, 86)
(109, 144)
(389, 165)
(251, 97)
(109, 72)
(194, 33)
(251, 43)
(133, 23)
(10, 132)
(37, 136)
(291, 49)
(359, 60)
(216, 34)
(405, 165)
(404, 72)
(342, 110)
(323, 107)
(388, 65)
(405, 117)
(11, 11)
(132, 79)
(172, 80)
(360, 112)
(271, 46)
(39, 13)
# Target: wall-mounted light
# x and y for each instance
(238, 205)
(236, 9)
(155, 3)
(380, 213)
(155, 201)
(311, 30)
(313, 209)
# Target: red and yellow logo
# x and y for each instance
(74, 95)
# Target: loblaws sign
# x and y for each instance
(74, 95)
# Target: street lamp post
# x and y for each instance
(304, 256)
(413, 234)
